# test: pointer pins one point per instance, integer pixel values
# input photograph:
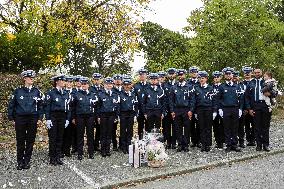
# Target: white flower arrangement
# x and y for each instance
(156, 154)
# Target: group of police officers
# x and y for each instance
(185, 110)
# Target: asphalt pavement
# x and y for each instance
(265, 173)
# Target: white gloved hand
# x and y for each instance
(221, 113)
(135, 119)
(240, 113)
(49, 124)
(66, 123)
(195, 115)
(214, 115)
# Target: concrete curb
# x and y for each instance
(182, 171)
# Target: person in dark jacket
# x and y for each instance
(96, 88)
(230, 99)
(258, 109)
(57, 114)
(218, 127)
(153, 103)
(83, 107)
(168, 124)
(139, 89)
(117, 88)
(181, 108)
(194, 127)
(108, 112)
(248, 119)
(68, 137)
(241, 129)
(205, 105)
(25, 109)
(128, 110)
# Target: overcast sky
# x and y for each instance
(171, 14)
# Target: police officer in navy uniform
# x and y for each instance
(194, 127)
(83, 107)
(96, 88)
(205, 105)
(25, 109)
(241, 129)
(57, 114)
(181, 108)
(139, 89)
(69, 131)
(117, 88)
(248, 119)
(108, 111)
(128, 111)
(259, 110)
(230, 99)
(168, 124)
(76, 88)
(218, 127)
(162, 78)
(154, 103)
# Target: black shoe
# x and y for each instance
(228, 149)
(115, 148)
(199, 145)
(174, 146)
(258, 148)
(168, 146)
(179, 149)
(186, 149)
(236, 149)
(242, 145)
(67, 154)
(59, 161)
(53, 162)
(108, 154)
(266, 148)
(74, 151)
(103, 154)
(220, 146)
(91, 156)
(80, 157)
(251, 144)
(207, 149)
(27, 166)
(19, 166)
(97, 149)
(203, 149)
(193, 145)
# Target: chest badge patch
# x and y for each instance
(21, 97)
(56, 99)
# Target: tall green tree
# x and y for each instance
(237, 33)
(84, 27)
(164, 48)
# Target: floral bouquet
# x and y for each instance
(156, 154)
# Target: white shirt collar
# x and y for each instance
(205, 85)
(30, 87)
(230, 83)
(182, 83)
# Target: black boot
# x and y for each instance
(27, 165)
(53, 162)
(59, 161)
(80, 157)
